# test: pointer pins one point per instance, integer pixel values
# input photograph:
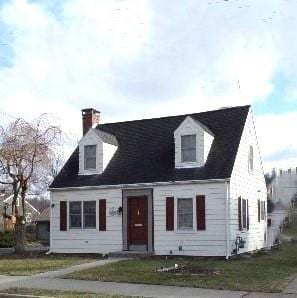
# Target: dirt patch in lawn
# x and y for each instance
(188, 269)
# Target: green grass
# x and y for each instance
(54, 293)
(28, 265)
(263, 273)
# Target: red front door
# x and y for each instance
(137, 221)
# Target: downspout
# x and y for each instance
(227, 217)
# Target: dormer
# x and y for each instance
(96, 149)
(192, 143)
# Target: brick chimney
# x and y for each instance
(90, 118)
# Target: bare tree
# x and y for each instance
(26, 153)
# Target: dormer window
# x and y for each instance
(192, 141)
(90, 157)
(188, 148)
(96, 149)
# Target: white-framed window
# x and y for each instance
(75, 215)
(90, 157)
(89, 214)
(251, 158)
(188, 148)
(82, 214)
(263, 210)
(243, 213)
(184, 214)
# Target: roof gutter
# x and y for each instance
(141, 184)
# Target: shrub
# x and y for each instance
(7, 239)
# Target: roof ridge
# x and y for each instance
(174, 116)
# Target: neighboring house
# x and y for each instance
(183, 185)
(43, 226)
(5, 207)
(283, 187)
(281, 195)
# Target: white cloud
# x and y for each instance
(138, 58)
(277, 140)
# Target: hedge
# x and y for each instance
(7, 239)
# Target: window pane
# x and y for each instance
(251, 158)
(244, 214)
(90, 150)
(188, 148)
(90, 162)
(188, 142)
(189, 155)
(185, 213)
(90, 214)
(75, 214)
(90, 156)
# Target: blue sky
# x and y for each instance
(136, 59)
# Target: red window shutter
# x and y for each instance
(239, 214)
(169, 213)
(200, 212)
(247, 215)
(102, 215)
(63, 215)
(259, 211)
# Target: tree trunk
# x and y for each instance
(19, 235)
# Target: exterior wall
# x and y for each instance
(249, 185)
(284, 187)
(210, 242)
(87, 240)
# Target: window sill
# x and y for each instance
(185, 231)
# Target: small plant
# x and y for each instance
(7, 239)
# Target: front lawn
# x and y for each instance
(28, 265)
(54, 293)
(263, 273)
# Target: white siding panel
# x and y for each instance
(248, 185)
(87, 240)
(211, 242)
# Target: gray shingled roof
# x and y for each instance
(146, 151)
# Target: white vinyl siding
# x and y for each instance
(208, 242)
(88, 240)
(250, 187)
(90, 157)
